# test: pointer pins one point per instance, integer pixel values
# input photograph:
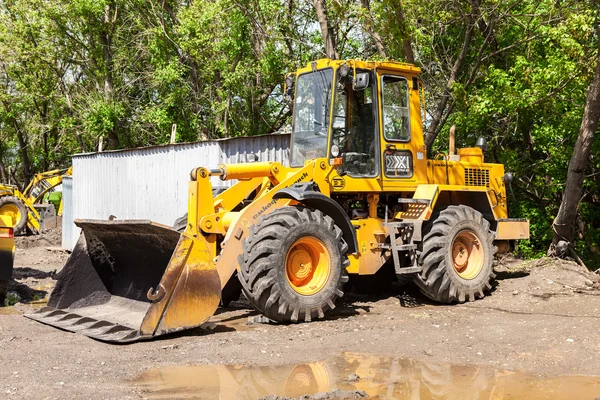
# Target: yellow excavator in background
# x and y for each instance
(27, 210)
(360, 192)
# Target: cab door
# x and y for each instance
(403, 152)
(355, 135)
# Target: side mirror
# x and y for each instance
(361, 81)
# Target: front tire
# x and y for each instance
(457, 256)
(14, 208)
(293, 266)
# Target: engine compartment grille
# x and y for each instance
(477, 177)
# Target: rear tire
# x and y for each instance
(457, 256)
(16, 210)
(293, 266)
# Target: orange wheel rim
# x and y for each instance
(11, 211)
(467, 254)
(307, 266)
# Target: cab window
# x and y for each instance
(396, 117)
(311, 116)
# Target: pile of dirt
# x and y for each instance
(48, 238)
(546, 276)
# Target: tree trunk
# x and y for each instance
(409, 56)
(485, 29)
(327, 31)
(109, 86)
(25, 156)
(43, 111)
(369, 27)
(22, 145)
(226, 115)
(435, 126)
(3, 173)
(565, 222)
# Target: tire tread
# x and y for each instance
(434, 280)
(258, 264)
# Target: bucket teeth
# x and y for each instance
(97, 329)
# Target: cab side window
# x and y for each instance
(396, 117)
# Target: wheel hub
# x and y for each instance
(467, 254)
(460, 255)
(307, 266)
(11, 212)
(300, 263)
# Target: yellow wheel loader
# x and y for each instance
(360, 191)
(26, 210)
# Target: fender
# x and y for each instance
(306, 194)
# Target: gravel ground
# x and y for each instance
(542, 318)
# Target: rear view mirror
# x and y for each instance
(361, 81)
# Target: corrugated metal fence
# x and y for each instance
(69, 232)
(152, 182)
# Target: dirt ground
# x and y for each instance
(542, 318)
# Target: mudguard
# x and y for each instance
(306, 194)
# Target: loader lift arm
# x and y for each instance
(164, 295)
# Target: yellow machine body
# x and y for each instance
(401, 185)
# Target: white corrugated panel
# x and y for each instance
(152, 182)
(267, 147)
(70, 232)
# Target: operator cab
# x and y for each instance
(357, 115)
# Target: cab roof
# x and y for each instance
(370, 65)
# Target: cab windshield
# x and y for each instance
(311, 116)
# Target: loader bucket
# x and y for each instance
(133, 280)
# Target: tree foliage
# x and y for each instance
(126, 72)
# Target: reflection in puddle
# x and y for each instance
(380, 378)
(8, 311)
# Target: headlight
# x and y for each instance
(335, 150)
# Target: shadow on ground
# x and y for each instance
(364, 290)
(26, 272)
(502, 275)
(25, 292)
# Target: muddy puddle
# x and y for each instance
(379, 377)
